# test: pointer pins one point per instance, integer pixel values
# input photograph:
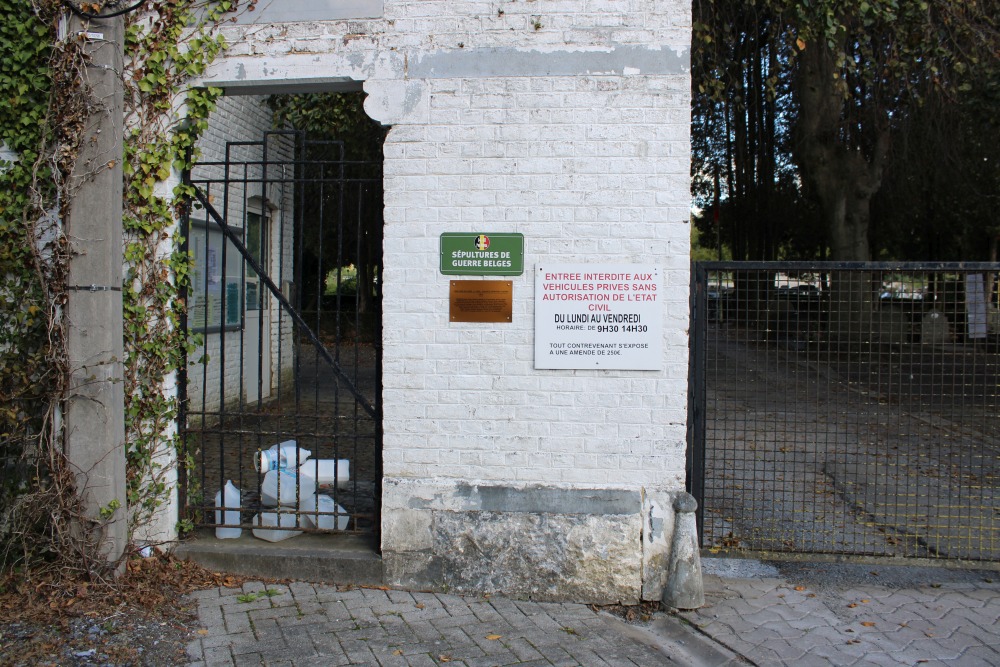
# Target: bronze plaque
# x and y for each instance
(481, 301)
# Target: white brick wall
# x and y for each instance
(567, 121)
(244, 119)
(582, 166)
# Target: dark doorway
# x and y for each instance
(285, 304)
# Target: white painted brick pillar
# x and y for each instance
(570, 127)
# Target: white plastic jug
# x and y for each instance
(230, 501)
(282, 455)
(328, 471)
(323, 503)
(264, 519)
(284, 488)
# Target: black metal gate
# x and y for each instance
(848, 409)
(281, 395)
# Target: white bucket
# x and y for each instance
(328, 471)
(230, 501)
(265, 519)
(323, 504)
(282, 455)
(284, 488)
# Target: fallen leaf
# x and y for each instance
(865, 601)
(444, 658)
(852, 605)
(868, 624)
(800, 588)
(420, 605)
(398, 651)
(493, 638)
(203, 632)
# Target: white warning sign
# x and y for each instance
(598, 316)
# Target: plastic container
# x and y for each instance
(328, 471)
(282, 455)
(230, 514)
(284, 488)
(265, 519)
(323, 503)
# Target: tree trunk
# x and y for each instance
(845, 176)
(847, 212)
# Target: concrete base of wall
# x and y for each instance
(537, 542)
(340, 559)
(600, 546)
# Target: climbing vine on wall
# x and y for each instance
(44, 103)
(27, 379)
(164, 49)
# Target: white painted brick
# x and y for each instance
(244, 119)
(590, 168)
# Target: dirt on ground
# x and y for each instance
(138, 620)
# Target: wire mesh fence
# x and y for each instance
(847, 408)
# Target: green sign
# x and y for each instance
(482, 254)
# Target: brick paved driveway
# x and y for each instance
(305, 624)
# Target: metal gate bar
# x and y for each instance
(274, 373)
(286, 306)
(847, 409)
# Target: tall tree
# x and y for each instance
(854, 67)
(740, 128)
(941, 188)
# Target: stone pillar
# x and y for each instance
(684, 589)
(94, 431)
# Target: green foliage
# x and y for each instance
(253, 597)
(704, 247)
(26, 378)
(342, 280)
(942, 190)
(332, 116)
(109, 510)
(808, 100)
(166, 51)
(43, 104)
(25, 43)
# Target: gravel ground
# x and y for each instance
(54, 618)
(128, 636)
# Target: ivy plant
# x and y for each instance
(43, 106)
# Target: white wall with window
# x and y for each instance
(229, 306)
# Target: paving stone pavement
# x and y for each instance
(806, 615)
(301, 624)
(816, 614)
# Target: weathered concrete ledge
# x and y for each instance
(527, 541)
(339, 559)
